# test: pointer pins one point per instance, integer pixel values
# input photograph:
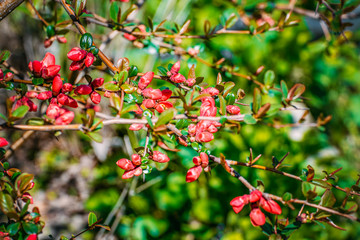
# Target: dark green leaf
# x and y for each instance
(86, 41)
(37, 81)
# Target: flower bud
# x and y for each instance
(232, 109)
(125, 164)
(50, 71)
(178, 78)
(9, 76)
(166, 94)
(56, 85)
(32, 237)
(149, 103)
(95, 97)
(196, 161)
(44, 95)
(61, 39)
(26, 196)
(212, 91)
(153, 94)
(192, 129)
(257, 217)
(107, 94)
(193, 173)
(175, 68)
(204, 159)
(255, 196)
(190, 82)
(3, 142)
(160, 157)
(53, 111)
(136, 159)
(129, 37)
(74, 66)
(238, 203)
(204, 137)
(145, 80)
(31, 94)
(270, 206)
(48, 42)
(97, 82)
(89, 59)
(83, 90)
(65, 117)
(76, 54)
(48, 60)
(67, 87)
(136, 127)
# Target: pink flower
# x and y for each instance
(212, 91)
(125, 164)
(136, 159)
(204, 137)
(178, 78)
(136, 127)
(32, 237)
(175, 68)
(238, 203)
(208, 107)
(130, 173)
(153, 94)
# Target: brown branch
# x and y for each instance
(7, 6)
(17, 144)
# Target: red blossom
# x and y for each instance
(95, 97)
(193, 173)
(160, 157)
(136, 159)
(255, 196)
(3, 142)
(238, 203)
(97, 82)
(145, 80)
(178, 78)
(125, 164)
(270, 206)
(175, 68)
(32, 237)
(83, 90)
(257, 217)
(153, 94)
(56, 85)
(136, 127)
(232, 109)
(130, 173)
(162, 106)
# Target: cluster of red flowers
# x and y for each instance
(256, 200)
(5, 236)
(45, 68)
(133, 167)
(8, 76)
(201, 162)
(80, 58)
(177, 77)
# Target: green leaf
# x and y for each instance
(328, 199)
(20, 111)
(128, 88)
(284, 88)
(165, 117)
(289, 229)
(148, 119)
(111, 86)
(269, 78)
(222, 109)
(95, 136)
(35, 121)
(30, 228)
(13, 228)
(227, 88)
(114, 9)
(86, 41)
(129, 108)
(249, 119)
(92, 218)
(23, 182)
(163, 71)
(182, 123)
(25, 208)
(3, 117)
(256, 100)
(50, 31)
(37, 81)
(133, 71)
(7, 205)
(5, 54)
(287, 196)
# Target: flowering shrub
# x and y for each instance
(175, 111)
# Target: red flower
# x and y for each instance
(178, 78)
(257, 217)
(97, 82)
(166, 94)
(80, 58)
(56, 85)
(162, 106)
(44, 95)
(136, 127)
(149, 103)
(232, 109)
(190, 82)
(193, 173)
(175, 68)
(83, 90)
(32, 237)
(62, 116)
(130, 173)
(204, 137)
(212, 91)
(153, 94)
(95, 97)
(270, 206)
(255, 196)
(46, 68)
(160, 157)
(208, 107)
(238, 203)
(125, 164)
(3, 142)
(129, 37)
(136, 159)
(145, 80)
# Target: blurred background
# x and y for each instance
(75, 175)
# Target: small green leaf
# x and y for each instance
(5, 54)
(249, 119)
(227, 88)
(165, 117)
(92, 218)
(269, 78)
(287, 196)
(86, 41)
(35, 121)
(222, 109)
(50, 31)
(114, 9)
(284, 88)
(256, 100)
(111, 86)
(95, 136)
(328, 199)
(30, 228)
(163, 71)
(20, 111)
(13, 228)
(133, 71)
(129, 108)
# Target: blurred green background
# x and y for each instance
(75, 176)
